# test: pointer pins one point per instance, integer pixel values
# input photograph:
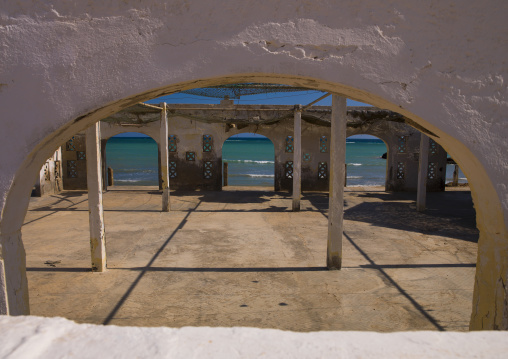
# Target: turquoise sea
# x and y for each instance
(250, 161)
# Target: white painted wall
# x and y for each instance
(67, 64)
(35, 337)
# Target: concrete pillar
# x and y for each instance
(95, 208)
(13, 281)
(422, 173)
(164, 159)
(337, 180)
(4, 307)
(297, 158)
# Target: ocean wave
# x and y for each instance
(367, 185)
(134, 170)
(354, 177)
(129, 181)
(354, 164)
(250, 175)
(350, 142)
(248, 161)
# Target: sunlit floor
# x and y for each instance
(241, 258)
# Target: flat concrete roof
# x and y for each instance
(240, 258)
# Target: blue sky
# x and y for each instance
(276, 98)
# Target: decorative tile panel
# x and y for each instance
(402, 148)
(57, 170)
(306, 157)
(323, 144)
(401, 170)
(69, 145)
(47, 173)
(172, 143)
(190, 156)
(432, 170)
(172, 169)
(288, 169)
(432, 146)
(322, 170)
(207, 170)
(207, 143)
(72, 169)
(81, 155)
(290, 146)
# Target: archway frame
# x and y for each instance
(489, 293)
(122, 130)
(385, 142)
(245, 131)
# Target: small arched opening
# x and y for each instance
(366, 161)
(132, 159)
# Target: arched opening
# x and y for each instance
(249, 159)
(45, 147)
(366, 160)
(133, 159)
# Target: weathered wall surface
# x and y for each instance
(196, 165)
(68, 64)
(49, 180)
(74, 163)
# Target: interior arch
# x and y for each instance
(259, 165)
(131, 165)
(373, 156)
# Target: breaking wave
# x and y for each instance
(248, 161)
(251, 175)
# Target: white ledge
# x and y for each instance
(35, 337)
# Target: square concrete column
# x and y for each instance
(337, 173)
(422, 173)
(297, 158)
(163, 148)
(13, 280)
(4, 303)
(95, 208)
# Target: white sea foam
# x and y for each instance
(125, 180)
(354, 164)
(250, 175)
(350, 142)
(354, 177)
(134, 170)
(367, 185)
(248, 161)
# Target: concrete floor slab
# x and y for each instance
(241, 258)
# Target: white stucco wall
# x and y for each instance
(67, 64)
